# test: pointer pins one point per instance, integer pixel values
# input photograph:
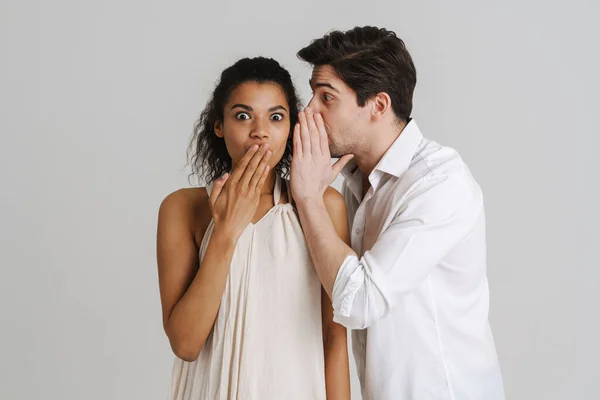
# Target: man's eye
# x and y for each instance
(242, 116)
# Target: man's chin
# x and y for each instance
(336, 153)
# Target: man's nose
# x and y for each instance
(312, 104)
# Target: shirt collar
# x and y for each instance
(353, 178)
(395, 161)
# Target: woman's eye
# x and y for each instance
(277, 117)
(242, 116)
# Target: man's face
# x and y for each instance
(336, 102)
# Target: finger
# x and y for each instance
(297, 141)
(217, 189)
(264, 163)
(324, 139)
(304, 135)
(244, 181)
(263, 179)
(315, 141)
(239, 171)
(340, 164)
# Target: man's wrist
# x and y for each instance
(309, 202)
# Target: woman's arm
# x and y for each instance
(335, 337)
(191, 294)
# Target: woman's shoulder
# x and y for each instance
(336, 208)
(187, 205)
(186, 200)
(333, 199)
(189, 209)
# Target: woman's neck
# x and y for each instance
(269, 186)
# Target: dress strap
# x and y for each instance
(209, 187)
(289, 192)
(277, 189)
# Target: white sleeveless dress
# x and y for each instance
(266, 342)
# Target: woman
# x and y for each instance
(243, 308)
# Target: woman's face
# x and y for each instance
(255, 113)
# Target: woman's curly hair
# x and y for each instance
(207, 153)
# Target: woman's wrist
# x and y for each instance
(225, 238)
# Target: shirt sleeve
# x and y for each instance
(435, 215)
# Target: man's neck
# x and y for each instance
(374, 151)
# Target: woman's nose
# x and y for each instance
(260, 130)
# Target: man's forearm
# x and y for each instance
(327, 250)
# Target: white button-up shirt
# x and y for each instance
(417, 294)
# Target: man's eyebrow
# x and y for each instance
(321, 84)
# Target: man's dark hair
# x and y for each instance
(370, 60)
(207, 153)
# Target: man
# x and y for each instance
(413, 286)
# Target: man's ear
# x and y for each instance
(219, 129)
(381, 104)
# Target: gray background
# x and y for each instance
(97, 102)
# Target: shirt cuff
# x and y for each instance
(348, 281)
